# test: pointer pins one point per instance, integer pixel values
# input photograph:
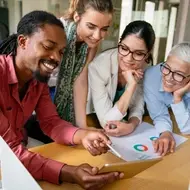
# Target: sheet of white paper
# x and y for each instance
(14, 175)
(138, 145)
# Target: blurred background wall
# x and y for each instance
(169, 18)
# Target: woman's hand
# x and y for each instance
(132, 77)
(178, 94)
(164, 144)
(121, 129)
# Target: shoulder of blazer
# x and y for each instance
(105, 60)
(101, 66)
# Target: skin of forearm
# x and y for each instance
(79, 135)
(124, 101)
(67, 174)
(81, 85)
(177, 99)
(80, 98)
(135, 121)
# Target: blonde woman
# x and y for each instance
(86, 24)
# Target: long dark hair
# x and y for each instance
(29, 24)
(144, 31)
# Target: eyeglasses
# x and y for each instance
(124, 51)
(178, 77)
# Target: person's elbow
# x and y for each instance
(185, 130)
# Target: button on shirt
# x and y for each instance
(14, 114)
(158, 101)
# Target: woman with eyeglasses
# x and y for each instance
(167, 85)
(115, 80)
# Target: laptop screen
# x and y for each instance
(14, 175)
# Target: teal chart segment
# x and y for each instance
(153, 138)
(140, 147)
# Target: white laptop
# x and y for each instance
(14, 176)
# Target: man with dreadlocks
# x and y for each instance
(27, 60)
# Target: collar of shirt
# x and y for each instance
(12, 77)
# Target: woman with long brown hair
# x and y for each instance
(86, 24)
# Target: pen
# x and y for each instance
(114, 151)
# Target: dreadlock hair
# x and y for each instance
(28, 25)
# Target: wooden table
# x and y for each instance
(172, 173)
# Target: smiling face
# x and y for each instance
(42, 51)
(132, 43)
(92, 26)
(180, 67)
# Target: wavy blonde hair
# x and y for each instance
(80, 6)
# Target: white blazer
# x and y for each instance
(102, 81)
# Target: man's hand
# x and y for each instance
(122, 128)
(87, 176)
(165, 143)
(178, 94)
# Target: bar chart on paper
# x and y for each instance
(138, 145)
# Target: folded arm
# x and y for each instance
(158, 111)
(103, 104)
(136, 107)
(181, 112)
